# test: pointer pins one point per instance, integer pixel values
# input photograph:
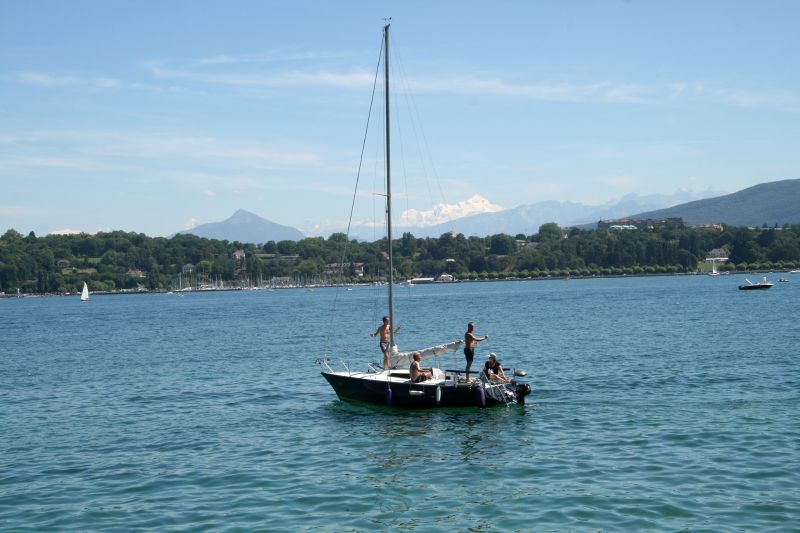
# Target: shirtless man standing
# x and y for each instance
(471, 340)
(383, 330)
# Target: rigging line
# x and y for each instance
(378, 177)
(399, 130)
(418, 124)
(375, 173)
(358, 177)
(364, 143)
(403, 80)
(415, 125)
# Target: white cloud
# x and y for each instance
(44, 79)
(349, 80)
(244, 153)
(238, 162)
(191, 223)
(546, 91)
(227, 70)
(437, 214)
(66, 231)
(441, 213)
(269, 57)
(50, 162)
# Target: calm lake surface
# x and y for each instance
(665, 403)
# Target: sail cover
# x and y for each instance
(402, 359)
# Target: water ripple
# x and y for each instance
(171, 415)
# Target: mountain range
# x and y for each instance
(777, 202)
(771, 203)
(526, 219)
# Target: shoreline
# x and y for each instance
(123, 292)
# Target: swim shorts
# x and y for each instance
(469, 353)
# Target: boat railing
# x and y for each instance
(325, 363)
(518, 372)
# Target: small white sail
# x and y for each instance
(85, 293)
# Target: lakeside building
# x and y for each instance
(642, 224)
(717, 227)
(344, 268)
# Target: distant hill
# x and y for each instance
(526, 219)
(777, 202)
(246, 227)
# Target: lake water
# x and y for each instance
(664, 403)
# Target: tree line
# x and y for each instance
(119, 260)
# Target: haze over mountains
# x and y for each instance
(768, 203)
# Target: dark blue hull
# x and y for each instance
(414, 395)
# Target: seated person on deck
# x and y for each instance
(419, 374)
(494, 371)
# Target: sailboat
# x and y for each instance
(714, 271)
(393, 385)
(85, 293)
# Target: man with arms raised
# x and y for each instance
(471, 341)
(385, 342)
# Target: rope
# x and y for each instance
(355, 193)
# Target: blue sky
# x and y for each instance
(146, 116)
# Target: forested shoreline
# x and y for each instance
(117, 260)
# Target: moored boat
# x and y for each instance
(761, 285)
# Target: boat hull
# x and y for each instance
(406, 394)
(755, 287)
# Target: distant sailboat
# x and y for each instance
(85, 293)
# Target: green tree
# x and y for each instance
(549, 231)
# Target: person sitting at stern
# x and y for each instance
(419, 374)
(493, 370)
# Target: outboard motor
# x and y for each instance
(522, 390)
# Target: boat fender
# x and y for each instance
(481, 397)
(389, 397)
(438, 395)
